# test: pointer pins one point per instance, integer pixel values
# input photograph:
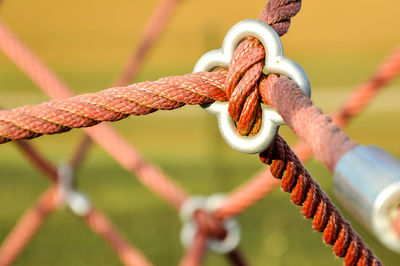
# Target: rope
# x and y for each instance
(246, 66)
(151, 33)
(100, 224)
(195, 253)
(280, 92)
(57, 116)
(38, 160)
(28, 225)
(263, 182)
(243, 92)
(35, 68)
(103, 134)
(316, 205)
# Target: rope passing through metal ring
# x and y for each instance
(209, 204)
(275, 62)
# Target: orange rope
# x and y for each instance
(28, 225)
(263, 182)
(195, 253)
(100, 224)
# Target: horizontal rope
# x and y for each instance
(262, 183)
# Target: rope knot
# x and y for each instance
(241, 86)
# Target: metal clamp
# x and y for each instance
(367, 182)
(210, 204)
(275, 62)
(76, 200)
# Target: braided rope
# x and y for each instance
(305, 192)
(127, 253)
(272, 89)
(104, 134)
(37, 121)
(263, 182)
(246, 68)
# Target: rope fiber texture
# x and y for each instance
(262, 183)
(305, 192)
(244, 86)
(195, 89)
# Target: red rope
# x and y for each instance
(195, 253)
(33, 155)
(285, 165)
(109, 139)
(151, 33)
(282, 93)
(173, 92)
(246, 66)
(100, 224)
(263, 182)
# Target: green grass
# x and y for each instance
(88, 42)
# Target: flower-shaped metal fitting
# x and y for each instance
(209, 204)
(275, 62)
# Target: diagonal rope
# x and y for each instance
(28, 225)
(316, 205)
(151, 34)
(263, 182)
(52, 86)
(306, 120)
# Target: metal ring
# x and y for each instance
(275, 62)
(210, 204)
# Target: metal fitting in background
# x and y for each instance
(367, 182)
(275, 62)
(76, 200)
(208, 204)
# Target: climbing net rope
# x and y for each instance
(244, 85)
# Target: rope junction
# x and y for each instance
(245, 87)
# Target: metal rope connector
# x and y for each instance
(209, 204)
(275, 62)
(76, 200)
(367, 182)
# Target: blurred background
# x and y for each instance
(338, 43)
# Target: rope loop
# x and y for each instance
(197, 214)
(244, 105)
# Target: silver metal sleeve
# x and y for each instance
(367, 182)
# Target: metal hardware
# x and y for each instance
(275, 62)
(210, 204)
(367, 182)
(76, 200)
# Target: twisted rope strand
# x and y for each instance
(86, 110)
(113, 143)
(246, 68)
(263, 182)
(305, 192)
(152, 32)
(104, 134)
